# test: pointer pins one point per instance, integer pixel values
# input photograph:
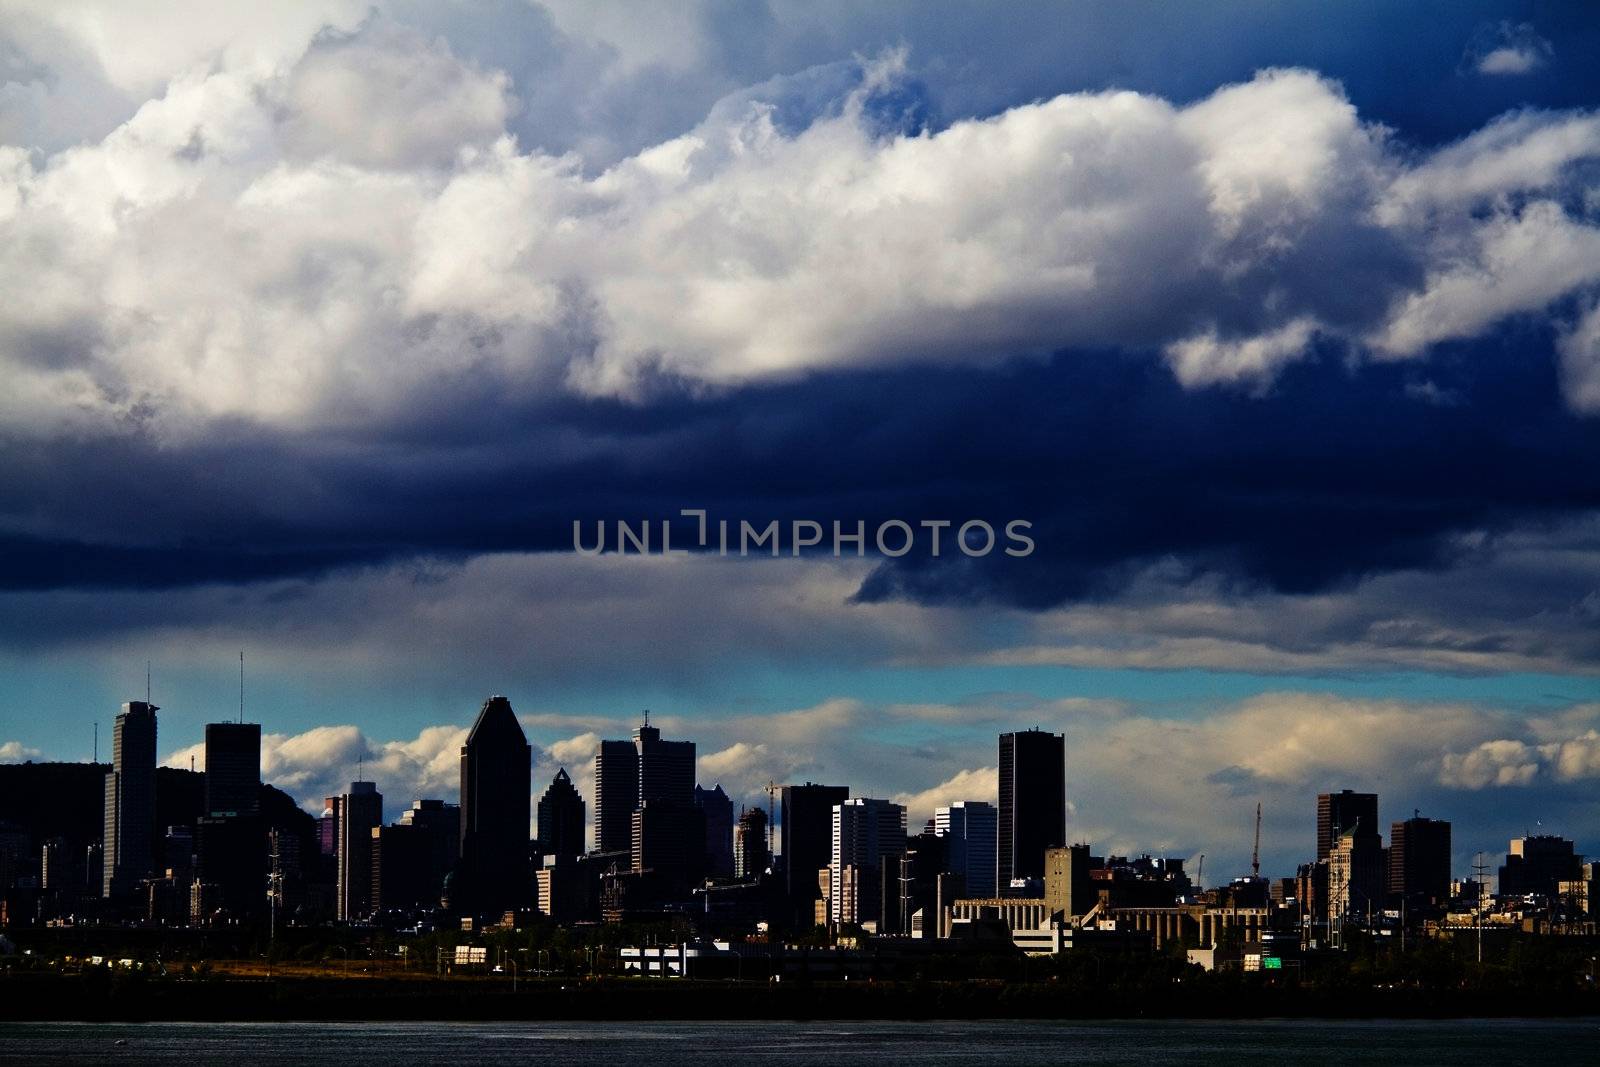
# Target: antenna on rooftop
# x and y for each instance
(97, 740)
(241, 685)
(1255, 854)
(147, 681)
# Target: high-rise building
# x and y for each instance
(1419, 862)
(750, 853)
(970, 829)
(669, 842)
(1356, 877)
(1033, 803)
(496, 801)
(1538, 864)
(627, 775)
(360, 812)
(441, 824)
(717, 808)
(1337, 812)
(233, 862)
(328, 827)
(561, 818)
(616, 795)
(130, 801)
(1067, 885)
(805, 840)
(865, 832)
(233, 768)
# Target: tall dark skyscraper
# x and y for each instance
(718, 812)
(360, 812)
(496, 798)
(627, 775)
(1337, 812)
(233, 768)
(130, 801)
(561, 817)
(805, 835)
(1419, 861)
(1033, 803)
(616, 795)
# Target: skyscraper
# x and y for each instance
(627, 775)
(233, 768)
(865, 833)
(970, 829)
(130, 801)
(230, 837)
(1033, 803)
(1419, 862)
(496, 800)
(750, 854)
(805, 838)
(561, 818)
(1337, 812)
(616, 795)
(717, 808)
(360, 812)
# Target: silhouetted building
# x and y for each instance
(130, 801)
(443, 823)
(360, 811)
(1537, 864)
(328, 827)
(1033, 803)
(1419, 862)
(496, 801)
(561, 818)
(1337, 812)
(650, 771)
(750, 853)
(970, 829)
(669, 842)
(233, 768)
(233, 860)
(865, 832)
(805, 837)
(616, 795)
(405, 871)
(717, 808)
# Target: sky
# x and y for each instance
(323, 323)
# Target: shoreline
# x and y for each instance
(57, 998)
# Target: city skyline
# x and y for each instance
(1315, 823)
(1280, 326)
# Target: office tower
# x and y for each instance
(286, 876)
(60, 868)
(1033, 803)
(717, 809)
(179, 850)
(130, 801)
(666, 768)
(669, 842)
(328, 827)
(1419, 862)
(233, 768)
(1067, 887)
(561, 818)
(628, 775)
(616, 795)
(360, 811)
(443, 823)
(805, 840)
(1356, 876)
(405, 868)
(865, 832)
(496, 801)
(750, 855)
(1339, 811)
(911, 885)
(970, 829)
(1538, 864)
(232, 852)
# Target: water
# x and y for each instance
(1500, 1042)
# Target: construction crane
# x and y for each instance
(1255, 853)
